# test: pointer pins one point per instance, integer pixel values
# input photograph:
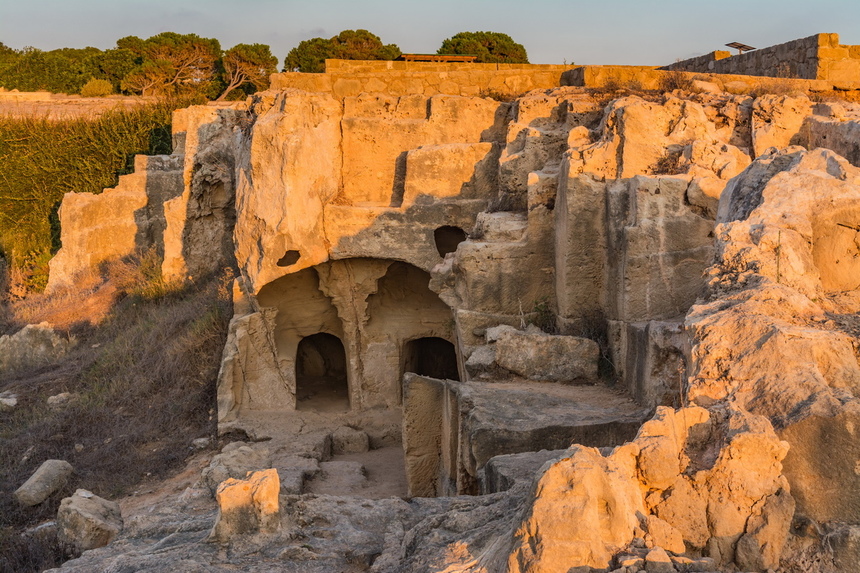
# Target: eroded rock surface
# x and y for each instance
(395, 256)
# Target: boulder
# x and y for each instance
(548, 357)
(604, 498)
(658, 561)
(62, 399)
(32, 346)
(235, 461)
(482, 360)
(87, 521)
(247, 505)
(705, 87)
(8, 401)
(49, 478)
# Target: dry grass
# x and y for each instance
(675, 80)
(146, 378)
(669, 163)
(836, 96)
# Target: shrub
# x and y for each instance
(97, 88)
(543, 315)
(675, 80)
(669, 163)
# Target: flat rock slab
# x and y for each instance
(514, 417)
(338, 478)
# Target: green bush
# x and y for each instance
(97, 88)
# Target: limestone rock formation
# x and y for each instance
(665, 474)
(395, 253)
(783, 291)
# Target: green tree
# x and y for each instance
(7, 55)
(310, 55)
(490, 47)
(170, 63)
(362, 45)
(112, 65)
(247, 65)
(59, 71)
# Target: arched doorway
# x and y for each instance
(432, 357)
(321, 382)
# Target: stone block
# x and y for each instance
(49, 478)
(247, 506)
(548, 357)
(87, 521)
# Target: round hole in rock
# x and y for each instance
(447, 238)
(289, 258)
(321, 382)
(432, 357)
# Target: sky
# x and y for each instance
(553, 31)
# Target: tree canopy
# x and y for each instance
(310, 55)
(172, 63)
(490, 47)
(61, 71)
(247, 65)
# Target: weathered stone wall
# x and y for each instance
(700, 63)
(16, 96)
(344, 78)
(818, 57)
(373, 66)
(647, 78)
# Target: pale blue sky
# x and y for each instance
(596, 32)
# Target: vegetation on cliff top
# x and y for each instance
(182, 64)
(490, 47)
(164, 64)
(310, 55)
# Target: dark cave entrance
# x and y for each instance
(321, 382)
(432, 357)
(447, 238)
